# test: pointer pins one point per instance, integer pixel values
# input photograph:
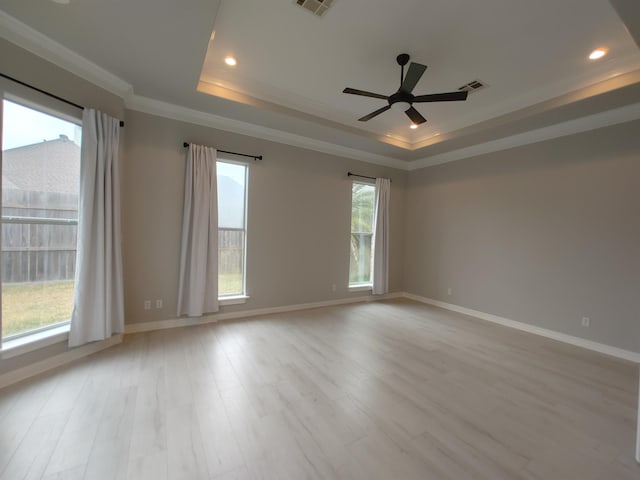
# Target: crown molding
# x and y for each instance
(607, 118)
(39, 44)
(189, 115)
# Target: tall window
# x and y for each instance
(40, 183)
(232, 228)
(362, 198)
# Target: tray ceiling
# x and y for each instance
(292, 65)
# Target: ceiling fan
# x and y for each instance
(403, 99)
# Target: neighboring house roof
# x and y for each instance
(52, 166)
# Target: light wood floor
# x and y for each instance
(391, 390)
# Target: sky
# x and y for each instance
(25, 126)
(231, 170)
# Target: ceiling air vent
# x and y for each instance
(317, 7)
(473, 86)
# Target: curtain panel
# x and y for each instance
(198, 281)
(380, 258)
(98, 305)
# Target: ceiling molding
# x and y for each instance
(590, 122)
(629, 13)
(35, 42)
(298, 111)
(189, 115)
(41, 45)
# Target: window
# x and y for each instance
(40, 183)
(232, 228)
(362, 198)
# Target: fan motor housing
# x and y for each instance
(401, 96)
(403, 59)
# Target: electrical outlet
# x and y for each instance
(586, 322)
(449, 291)
(159, 303)
(147, 304)
(333, 287)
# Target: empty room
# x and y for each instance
(320, 239)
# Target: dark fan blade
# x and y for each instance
(415, 116)
(442, 97)
(354, 91)
(374, 114)
(413, 75)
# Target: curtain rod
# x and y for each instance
(255, 157)
(64, 100)
(349, 174)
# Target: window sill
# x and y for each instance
(360, 287)
(235, 300)
(35, 341)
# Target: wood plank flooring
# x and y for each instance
(387, 390)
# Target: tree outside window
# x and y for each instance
(362, 206)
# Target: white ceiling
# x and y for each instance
(292, 65)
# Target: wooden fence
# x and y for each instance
(230, 251)
(39, 231)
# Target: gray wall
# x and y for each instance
(299, 202)
(299, 207)
(543, 234)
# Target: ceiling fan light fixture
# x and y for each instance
(413, 126)
(401, 106)
(402, 100)
(598, 53)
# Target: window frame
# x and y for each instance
(360, 286)
(30, 340)
(237, 298)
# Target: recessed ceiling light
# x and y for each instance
(231, 61)
(598, 53)
(413, 126)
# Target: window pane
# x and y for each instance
(40, 182)
(360, 266)
(362, 208)
(362, 200)
(231, 185)
(232, 182)
(230, 262)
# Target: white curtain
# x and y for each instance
(380, 260)
(98, 307)
(198, 287)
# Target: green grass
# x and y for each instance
(229, 284)
(26, 306)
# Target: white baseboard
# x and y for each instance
(525, 327)
(42, 366)
(69, 356)
(216, 317)
(23, 373)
